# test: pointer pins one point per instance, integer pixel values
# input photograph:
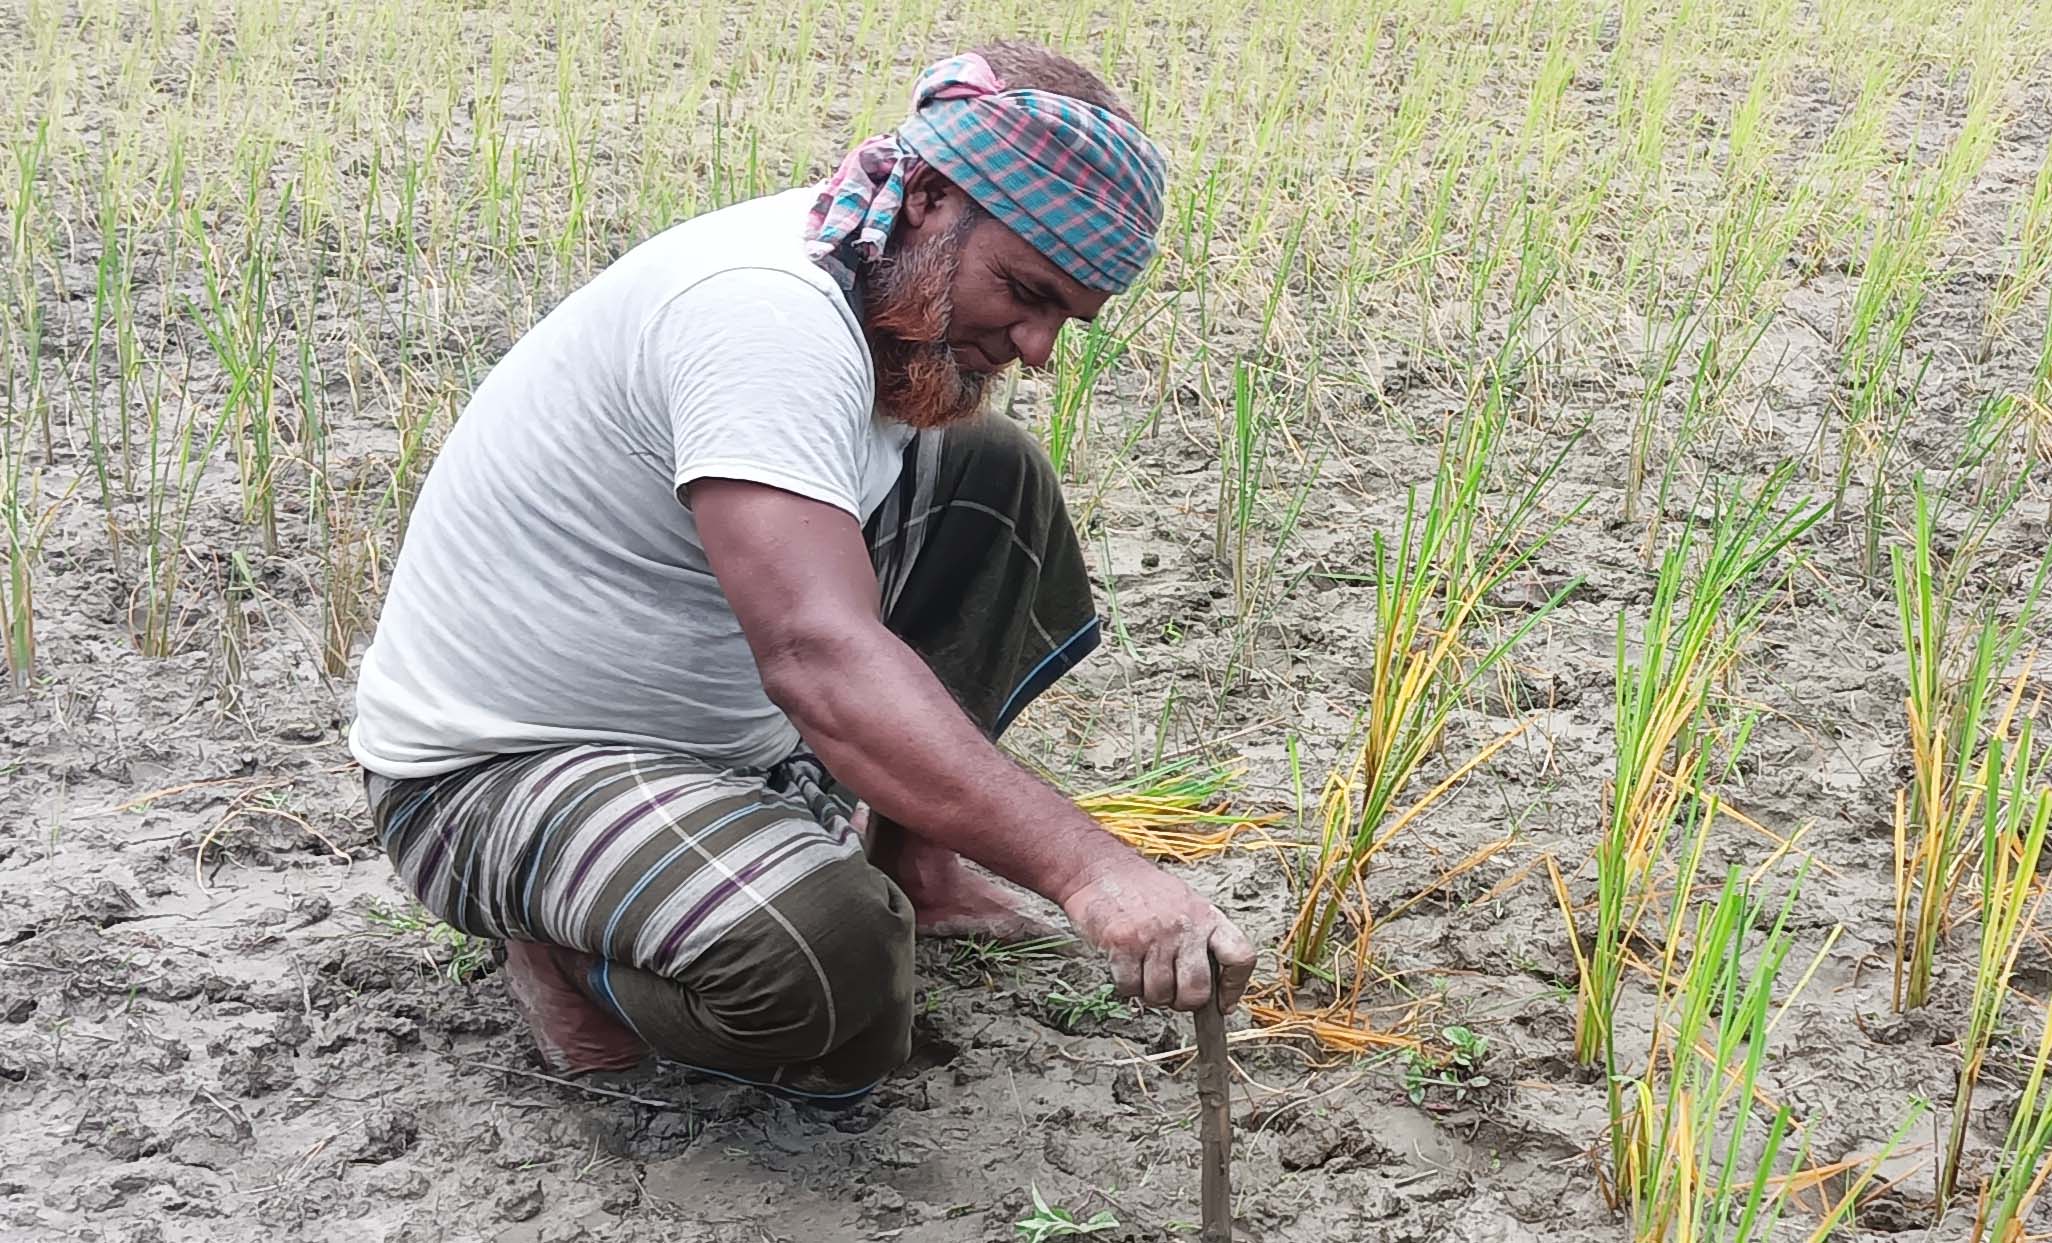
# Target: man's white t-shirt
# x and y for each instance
(552, 589)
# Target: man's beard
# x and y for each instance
(906, 310)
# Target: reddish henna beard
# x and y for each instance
(907, 309)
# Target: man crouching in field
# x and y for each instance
(724, 544)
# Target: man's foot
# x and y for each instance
(971, 906)
(575, 1036)
(948, 899)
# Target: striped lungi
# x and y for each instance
(739, 925)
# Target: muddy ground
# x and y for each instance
(240, 1044)
(219, 1021)
(235, 1045)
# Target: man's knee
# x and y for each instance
(822, 977)
(868, 965)
(1003, 458)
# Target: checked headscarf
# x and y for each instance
(1082, 185)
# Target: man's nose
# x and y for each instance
(1034, 340)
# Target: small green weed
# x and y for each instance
(1459, 1070)
(456, 956)
(1072, 1010)
(986, 955)
(1048, 1221)
(1469, 1048)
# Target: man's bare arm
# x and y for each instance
(797, 574)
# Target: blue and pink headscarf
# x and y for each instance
(1081, 185)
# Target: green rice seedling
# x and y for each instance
(1197, 222)
(1710, 1043)
(1884, 308)
(1084, 355)
(1453, 159)
(1693, 1159)
(1666, 358)
(24, 208)
(406, 236)
(1245, 453)
(2025, 1161)
(2033, 232)
(2034, 405)
(1710, 382)
(23, 516)
(1431, 647)
(26, 520)
(2002, 425)
(336, 520)
(2008, 437)
(174, 457)
(1698, 624)
(414, 414)
(235, 321)
(1760, 227)
(1552, 227)
(1114, 610)
(2039, 398)
(1485, 462)
(236, 589)
(1887, 423)
(1689, 1158)
(1266, 597)
(1722, 318)
(113, 310)
(499, 170)
(1895, 279)
(1180, 810)
(1292, 240)
(1752, 137)
(1495, 251)
(2014, 817)
(1850, 156)
(1956, 700)
(577, 133)
(1644, 101)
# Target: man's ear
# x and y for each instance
(926, 192)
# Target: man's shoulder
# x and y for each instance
(740, 275)
(761, 235)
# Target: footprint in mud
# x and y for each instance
(116, 1130)
(210, 1137)
(930, 1050)
(387, 1133)
(663, 1112)
(255, 1069)
(1311, 1140)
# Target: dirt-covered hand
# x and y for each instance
(1162, 937)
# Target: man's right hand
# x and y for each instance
(1162, 936)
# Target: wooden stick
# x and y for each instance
(1214, 1101)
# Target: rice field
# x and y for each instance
(1570, 506)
